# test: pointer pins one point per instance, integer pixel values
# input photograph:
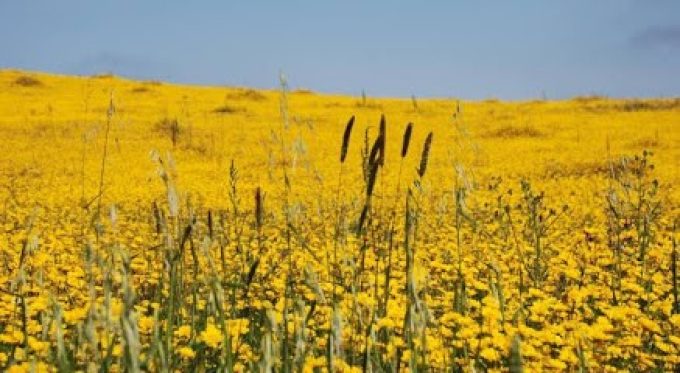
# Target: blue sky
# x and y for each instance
(469, 49)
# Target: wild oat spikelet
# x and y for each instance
(345, 139)
(407, 139)
(425, 155)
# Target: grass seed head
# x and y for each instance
(426, 154)
(376, 151)
(407, 139)
(345, 139)
(259, 207)
(383, 136)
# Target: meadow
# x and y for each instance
(147, 226)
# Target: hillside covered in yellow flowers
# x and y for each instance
(153, 226)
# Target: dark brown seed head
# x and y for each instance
(259, 207)
(345, 139)
(376, 149)
(251, 271)
(371, 179)
(362, 219)
(210, 224)
(425, 155)
(383, 135)
(407, 139)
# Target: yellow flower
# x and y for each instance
(117, 350)
(557, 364)
(211, 336)
(365, 300)
(490, 354)
(22, 368)
(12, 337)
(39, 304)
(649, 325)
(237, 327)
(75, 315)
(567, 354)
(37, 346)
(183, 331)
(146, 324)
(385, 322)
(26, 367)
(186, 352)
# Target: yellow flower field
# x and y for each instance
(147, 226)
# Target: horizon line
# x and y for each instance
(292, 88)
